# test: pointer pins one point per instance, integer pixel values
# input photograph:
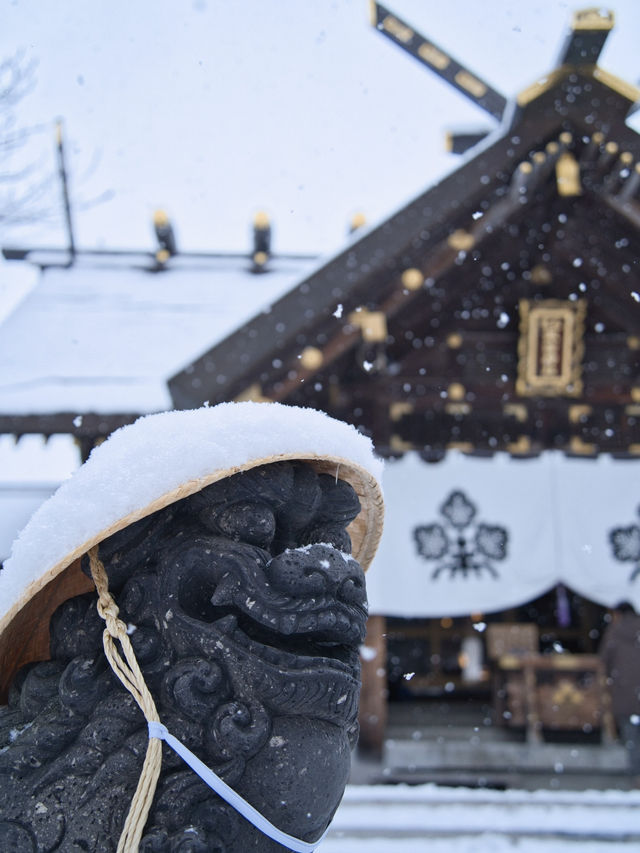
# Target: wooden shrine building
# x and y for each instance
(497, 311)
(496, 316)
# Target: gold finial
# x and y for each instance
(358, 220)
(593, 19)
(160, 218)
(261, 220)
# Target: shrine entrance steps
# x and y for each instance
(458, 743)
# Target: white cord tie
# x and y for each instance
(160, 731)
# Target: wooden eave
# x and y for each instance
(579, 116)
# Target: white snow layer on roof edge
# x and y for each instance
(142, 462)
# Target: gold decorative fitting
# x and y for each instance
(550, 348)
(454, 340)
(462, 446)
(611, 148)
(580, 447)
(412, 279)
(397, 29)
(399, 445)
(160, 219)
(635, 394)
(525, 168)
(627, 90)
(522, 445)
(539, 158)
(470, 84)
(552, 148)
(633, 342)
(261, 220)
(357, 221)
(578, 413)
(461, 240)
(597, 138)
(538, 88)
(253, 393)
(399, 409)
(311, 358)
(540, 274)
(566, 138)
(456, 391)
(626, 159)
(162, 256)
(593, 19)
(433, 56)
(634, 449)
(516, 410)
(260, 258)
(568, 175)
(372, 323)
(457, 408)
(633, 411)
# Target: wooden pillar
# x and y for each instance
(374, 695)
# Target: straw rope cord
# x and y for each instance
(129, 673)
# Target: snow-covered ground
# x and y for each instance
(408, 819)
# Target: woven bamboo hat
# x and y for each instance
(148, 465)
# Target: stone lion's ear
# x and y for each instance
(132, 548)
(340, 503)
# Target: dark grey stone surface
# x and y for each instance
(246, 614)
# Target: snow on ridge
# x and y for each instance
(141, 462)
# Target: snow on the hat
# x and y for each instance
(142, 462)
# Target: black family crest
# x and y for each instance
(459, 545)
(625, 543)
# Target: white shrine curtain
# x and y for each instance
(471, 535)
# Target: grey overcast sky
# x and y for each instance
(213, 109)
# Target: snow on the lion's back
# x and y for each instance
(158, 453)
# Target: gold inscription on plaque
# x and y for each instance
(550, 348)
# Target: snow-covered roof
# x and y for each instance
(104, 335)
